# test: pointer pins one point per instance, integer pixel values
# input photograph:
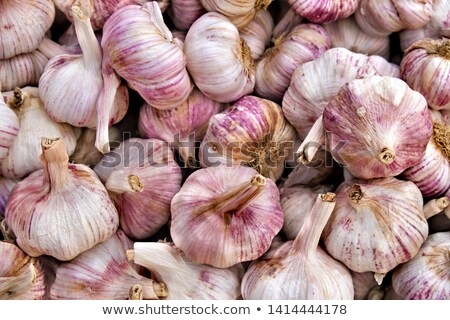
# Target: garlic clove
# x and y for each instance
(185, 279)
(21, 277)
(426, 276)
(104, 273)
(23, 25)
(253, 133)
(34, 123)
(185, 12)
(235, 208)
(376, 225)
(61, 210)
(218, 59)
(257, 33)
(300, 269)
(324, 11)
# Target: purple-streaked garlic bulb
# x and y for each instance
(239, 12)
(184, 278)
(218, 59)
(288, 21)
(181, 127)
(254, 133)
(382, 17)
(142, 50)
(297, 203)
(305, 42)
(300, 269)
(185, 12)
(364, 285)
(379, 127)
(432, 173)
(71, 83)
(141, 177)
(61, 210)
(426, 68)
(324, 11)
(376, 225)
(23, 25)
(34, 123)
(257, 34)
(347, 34)
(104, 273)
(21, 277)
(9, 126)
(235, 208)
(6, 186)
(427, 275)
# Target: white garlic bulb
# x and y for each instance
(34, 123)
(183, 278)
(257, 33)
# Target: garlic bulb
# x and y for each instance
(103, 273)
(347, 34)
(425, 67)
(382, 17)
(376, 225)
(235, 208)
(218, 59)
(185, 12)
(185, 279)
(390, 132)
(71, 83)
(142, 178)
(61, 210)
(254, 133)
(155, 67)
(288, 21)
(6, 186)
(297, 202)
(426, 276)
(240, 13)
(300, 269)
(257, 33)
(21, 277)
(34, 123)
(303, 43)
(324, 11)
(182, 127)
(9, 127)
(23, 25)
(22, 70)
(364, 285)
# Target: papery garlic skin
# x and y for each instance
(155, 67)
(426, 68)
(34, 123)
(235, 208)
(372, 145)
(43, 207)
(182, 127)
(382, 17)
(257, 33)
(288, 21)
(240, 13)
(304, 43)
(324, 11)
(426, 276)
(185, 279)
(376, 225)
(218, 59)
(103, 273)
(23, 25)
(253, 133)
(185, 12)
(347, 34)
(21, 277)
(9, 127)
(383, 67)
(141, 185)
(6, 186)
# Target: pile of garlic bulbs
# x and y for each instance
(224, 149)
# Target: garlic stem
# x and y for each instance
(435, 206)
(136, 292)
(55, 162)
(234, 200)
(121, 182)
(150, 290)
(286, 24)
(17, 99)
(187, 152)
(130, 255)
(307, 240)
(387, 155)
(6, 232)
(92, 53)
(312, 143)
(51, 49)
(379, 277)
